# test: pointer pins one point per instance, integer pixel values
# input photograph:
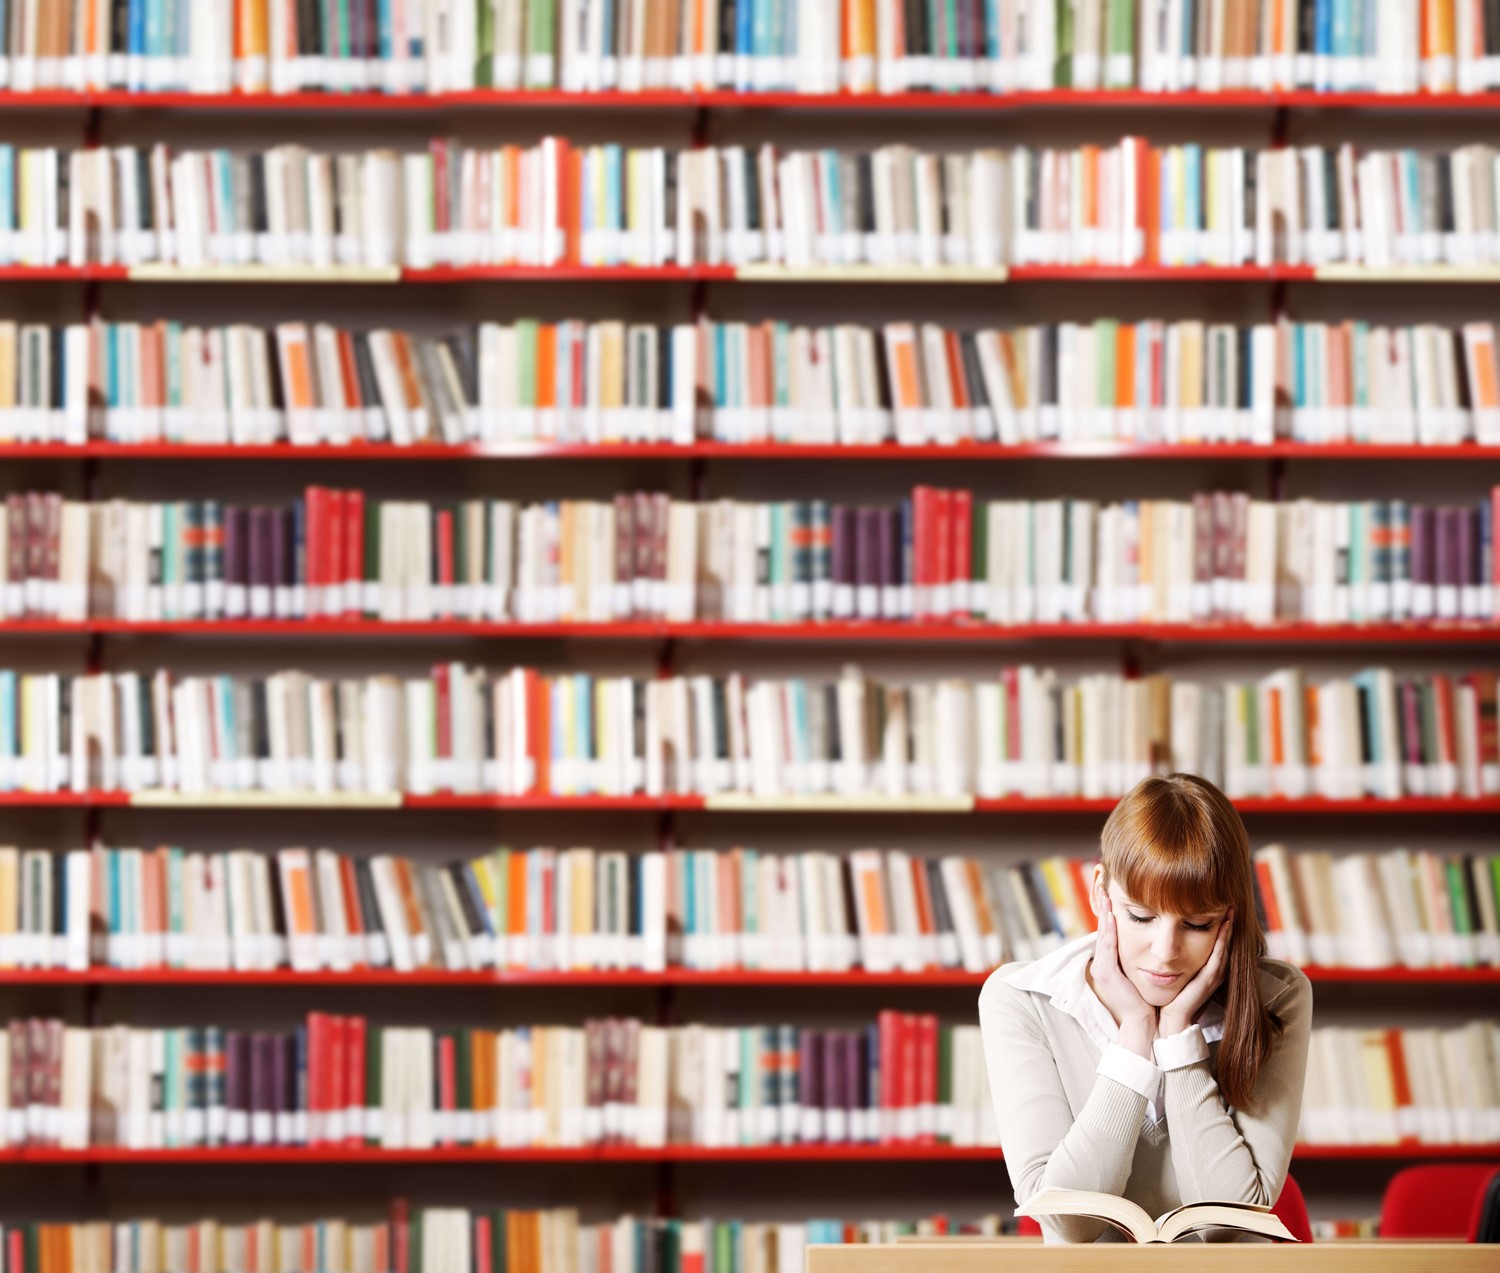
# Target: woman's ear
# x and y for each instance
(1098, 897)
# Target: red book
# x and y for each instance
(924, 515)
(1080, 881)
(442, 213)
(333, 546)
(484, 1262)
(317, 1078)
(445, 563)
(907, 1086)
(447, 1078)
(927, 1078)
(443, 688)
(356, 1043)
(352, 605)
(1012, 679)
(312, 512)
(354, 921)
(400, 1236)
(338, 1079)
(925, 920)
(963, 544)
(1268, 900)
(888, 1025)
(940, 599)
(1442, 705)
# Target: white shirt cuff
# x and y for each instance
(1183, 1048)
(1130, 1069)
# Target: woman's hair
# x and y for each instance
(1176, 845)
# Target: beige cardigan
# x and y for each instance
(1063, 1124)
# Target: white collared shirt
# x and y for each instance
(1060, 976)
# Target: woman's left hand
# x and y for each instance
(1183, 1010)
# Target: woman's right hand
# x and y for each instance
(1136, 1017)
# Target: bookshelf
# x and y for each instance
(854, 291)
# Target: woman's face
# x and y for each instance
(1160, 952)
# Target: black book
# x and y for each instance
(148, 721)
(728, 20)
(146, 196)
(753, 201)
(59, 864)
(465, 358)
(835, 735)
(259, 218)
(917, 44)
(1332, 218)
(979, 394)
(865, 165)
(882, 370)
(1443, 171)
(663, 337)
(261, 730)
(1242, 337)
(942, 917)
(468, 907)
(1492, 27)
(57, 369)
(1047, 388)
(719, 701)
(1307, 25)
(119, 25)
(364, 894)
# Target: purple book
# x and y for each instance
(263, 1052)
(835, 1095)
(891, 555)
(845, 532)
(236, 553)
(1468, 546)
(1445, 562)
(856, 1081)
(810, 1076)
(1423, 536)
(237, 1087)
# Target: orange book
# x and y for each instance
(516, 895)
(291, 338)
(1125, 366)
(348, 372)
(1310, 718)
(1080, 882)
(981, 898)
(1268, 896)
(1400, 1079)
(1278, 741)
(353, 921)
(414, 924)
(926, 921)
(1088, 176)
(539, 714)
(401, 347)
(1151, 204)
(956, 377)
(546, 366)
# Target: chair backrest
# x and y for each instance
(1291, 1210)
(1434, 1200)
(1485, 1224)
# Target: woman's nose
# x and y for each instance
(1164, 942)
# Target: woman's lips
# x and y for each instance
(1161, 978)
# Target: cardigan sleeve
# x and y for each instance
(1043, 1143)
(1220, 1154)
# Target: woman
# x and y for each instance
(1162, 1058)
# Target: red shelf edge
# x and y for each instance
(333, 102)
(1184, 633)
(964, 452)
(366, 977)
(282, 1154)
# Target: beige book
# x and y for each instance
(1172, 1226)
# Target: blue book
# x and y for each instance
(383, 29)
(153, 42)
(1339, 47)
(992, 49)
(583, 724)
(781, 40)
(744, 44)
(9, 746)
(135, 45)
(1194, 212)
(688, 874)
(8, 252)
(1322, 44)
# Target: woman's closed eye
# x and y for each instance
(1146, 919)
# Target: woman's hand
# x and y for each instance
(1184, 1009)
(1136, 1017)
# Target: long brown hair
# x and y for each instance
(1177, 845)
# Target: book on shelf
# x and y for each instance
(344, 1081)
(1375, 735)
(1417, 1084)
(1174, 1226)
(581, 910)
(852, 46)
(938, 555)
(540, 909)
(897, 207)
(446, 1239)
(1394, 908)
(852, 384)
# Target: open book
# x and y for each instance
(1177, 1223)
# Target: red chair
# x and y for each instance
(1291, 1209)
(1435, 1200)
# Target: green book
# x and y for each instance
(1427, 723)
(1062, 66)
(460, 546)
(414, 1257)
(945, 1084)
(498, 1248)
(1458, 898)
(526, 330)
(484, 45)
(541, 44)
(373, 1099)
(371, 598)
(463, 1096)
(1106, 340)
(1119, 45)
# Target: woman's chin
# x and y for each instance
(1157, 994)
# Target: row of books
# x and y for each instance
(1399, 907)
(855, 46)
(584, 383)
(447, 1240)
(581, 909)
(610, 204)
(1377, 734)
(1378, 1087)
(938, 554)
(343, 1080)
(902, 1079)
